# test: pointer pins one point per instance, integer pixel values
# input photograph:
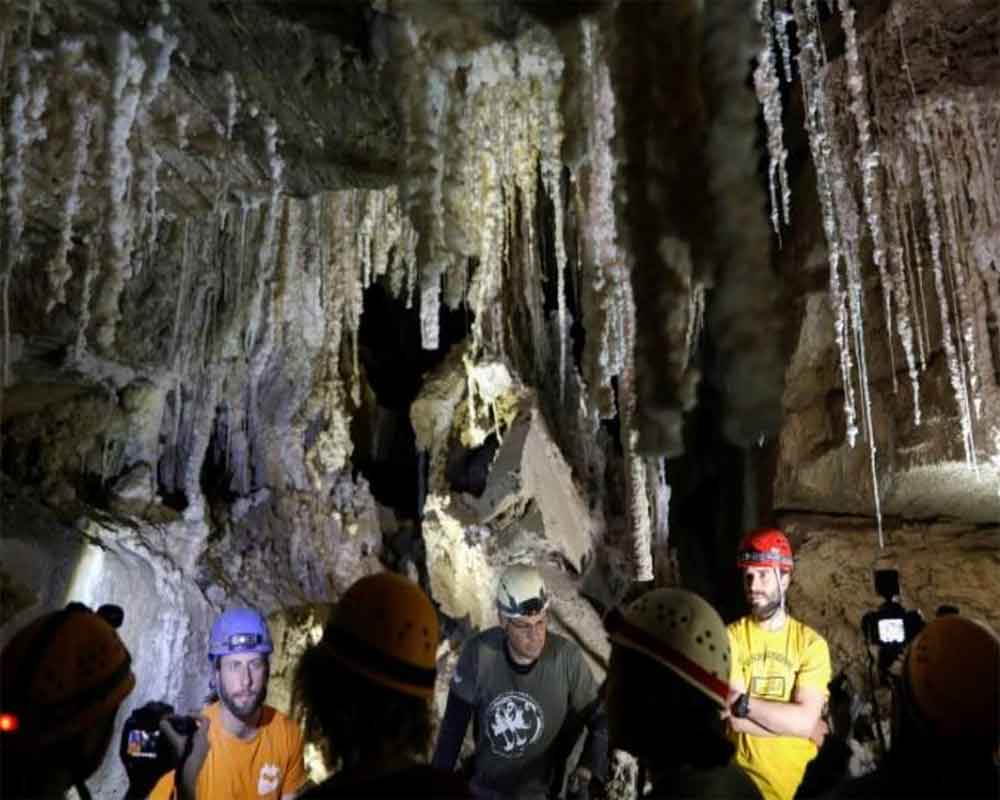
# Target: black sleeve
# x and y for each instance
(595, 746)
(452, 731)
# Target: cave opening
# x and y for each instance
(394, 365)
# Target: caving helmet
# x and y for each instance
(682, 632)
(239, 630)
(386, 629)
(61, 675)
(951, 680)
(521, 592)
(765, 547)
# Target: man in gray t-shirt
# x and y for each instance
(529, 694)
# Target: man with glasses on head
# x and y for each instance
(530, 693)
(243, 748)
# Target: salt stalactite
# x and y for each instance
(768, 87)
(332, 448)
(176, 348)
(918, 279)
(810, 69)
(551, 168)
(696, 321)
(232, 103)
(13, 173)
(82, 111)
(640, 527)
(657, 468)
(160, 46)
(848, 217)
(781, 19)
(124, 98)
(842, 223)
(869, 158)
(611, 308)
(955, 367)
(289, 262)
(89, 275)
(959, 216)
(604, 357)
(354, 296)
(163, 46)
(968, 220)
(268, 245)
(988, 191)
(425, 101)
(904, 320)
(180, 304)
(25, 127)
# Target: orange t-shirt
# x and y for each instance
(267, 766)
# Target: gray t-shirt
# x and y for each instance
(519, 715)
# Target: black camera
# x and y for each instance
(141, 736)
(890, 627)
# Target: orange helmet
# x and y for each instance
(765, 547)
(951, 679)
(385, 628)
(62, 674)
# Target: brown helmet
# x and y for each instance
(385, 628)
(951, 679)
(62, 673)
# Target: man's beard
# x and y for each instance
(244, 712)
(769, 609)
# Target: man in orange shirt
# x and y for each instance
(243, 748)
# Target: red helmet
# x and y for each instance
(765, 547)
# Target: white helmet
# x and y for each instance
(683, 632)
(521, 591)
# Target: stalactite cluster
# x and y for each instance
(895, 151)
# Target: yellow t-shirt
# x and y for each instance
(770, 665)
(265, 767)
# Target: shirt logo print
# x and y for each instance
(514, 721)
(268, 779)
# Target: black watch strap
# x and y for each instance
(741, 706)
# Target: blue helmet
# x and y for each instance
(239, 630)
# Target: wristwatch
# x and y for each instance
(741, 706)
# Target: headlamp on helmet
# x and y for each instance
(767, 547)
(239, 630)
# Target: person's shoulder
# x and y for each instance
(739, 627)
(565, 649)
(212, 711)
(808, 634)
(277, 721)
(487, 639)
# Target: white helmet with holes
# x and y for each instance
(683, 632)
(521, 592)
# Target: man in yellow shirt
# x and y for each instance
(780, 671)
(242, 748)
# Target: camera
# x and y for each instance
(890, 627)
(142, 738)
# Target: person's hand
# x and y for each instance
(819, 732)
(145, 757)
